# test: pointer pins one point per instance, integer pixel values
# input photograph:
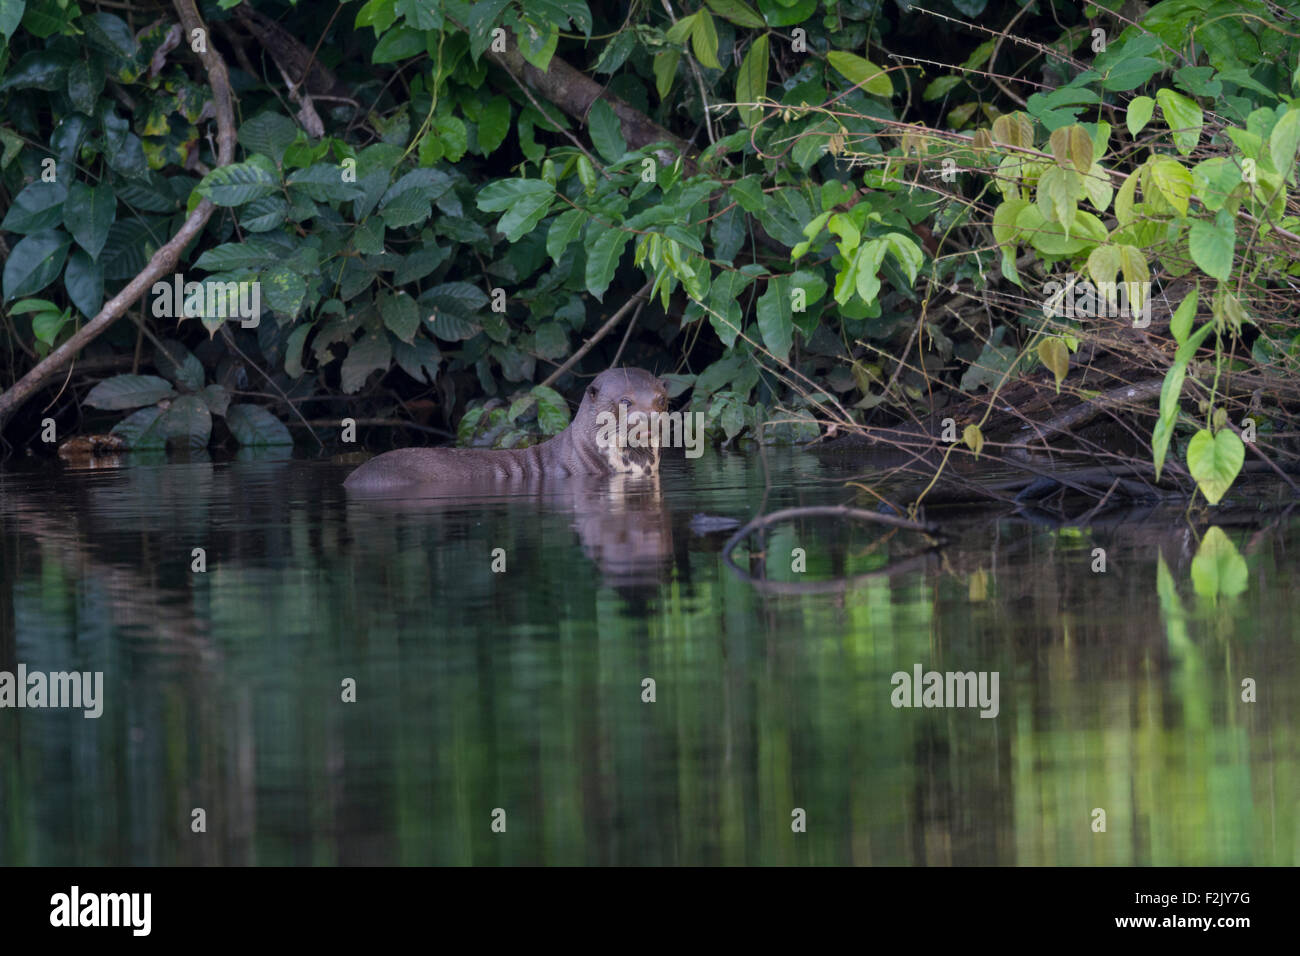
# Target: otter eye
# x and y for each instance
(592, 391)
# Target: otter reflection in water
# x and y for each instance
(621, 520)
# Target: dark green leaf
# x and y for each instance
(370, 353)
(38, 207)
(254, 425)
(606, 131)
(400, 314)
(139, 429)
(178, 364)
(419, 359)
(603, 256)
(239, 183)
(188, 421)
(35, 262)
(129, 391)
(83, 280)
(88, 214)
(269, 133)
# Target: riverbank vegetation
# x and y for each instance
(978, 228)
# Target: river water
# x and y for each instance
(293, 677)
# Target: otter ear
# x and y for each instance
(592, 391)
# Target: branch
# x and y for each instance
(600, 333)
(165, 259)
(575, 92)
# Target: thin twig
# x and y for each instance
(600, 334)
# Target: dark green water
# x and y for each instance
(522, 690)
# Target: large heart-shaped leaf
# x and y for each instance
(1215, 461)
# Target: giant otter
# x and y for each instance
(581, 449)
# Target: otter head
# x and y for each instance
(620, 410)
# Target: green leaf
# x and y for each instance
(748, 193)
(907, 252)
(704, 41)
(263, 215)
(188, 420)
(1138, 114)
(216, 398)
(38, 69)
(129, 391)
(253, 425)
(47, 325)
(399, 44)
(738, 12)
(83, 280)
(682, 29)
(552, 410)
(731, 418)
(110, 34)
(400, 314)
(1058, 195)
(371, 353)
(784, 13)
(34, 262)
(178, 364)
(493, 125)
(1212, 245)
(603, 256)
(33, 305)
(293, 350)
(483, 17)
(725, 314)
(419, 264)
(419, 359)
(1215, 461)
(458, 298)
(1218, 568)
(140, 429)
(11, 14)
(1183, 117)
(1283, 141)
(551, 341)
(1174, 182)
(88, 214)
(1103, 264)
(1170, 391)
(537, 44)
(564, 230)
(269, 133)
(285, 290)
(665, 68)
(407, 201)
(239, 183)
(1181, 322)
(775, 319)
(1214, 180)
(1055, 355)
(751, 82)
(861, 72)
(526, 202)
(36, 208)
(606, 131)
(940, 87)
(320, 182)
(1130, 74)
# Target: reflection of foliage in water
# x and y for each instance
(522, 691)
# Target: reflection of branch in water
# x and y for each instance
(831, 511)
